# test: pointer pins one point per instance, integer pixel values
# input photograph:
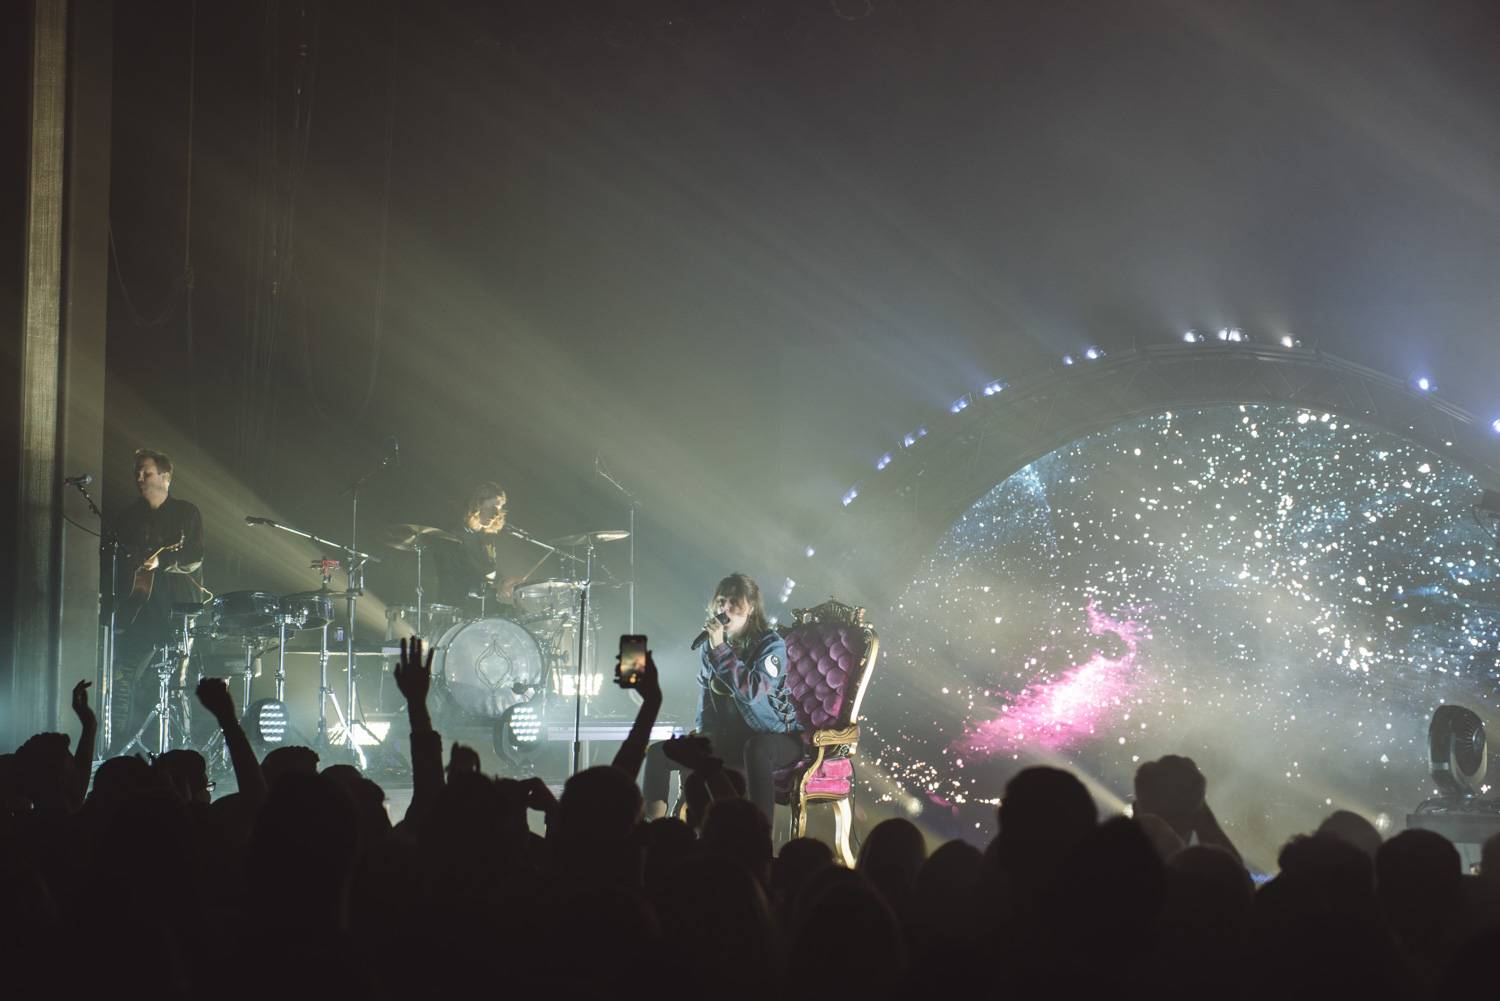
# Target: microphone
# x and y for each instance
(703, 636)
(251, 519)
(78, 481)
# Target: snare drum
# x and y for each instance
(489, 665)
(307, 609)
(244, 613)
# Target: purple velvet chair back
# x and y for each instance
(826, 666)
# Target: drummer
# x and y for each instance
(471, 568)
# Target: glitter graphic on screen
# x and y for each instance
(1057, 714)
(1285, 596)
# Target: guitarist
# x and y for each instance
(161, 539)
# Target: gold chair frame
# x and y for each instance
(842, 740)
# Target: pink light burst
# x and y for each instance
(1058, 714)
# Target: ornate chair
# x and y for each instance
(830, 651)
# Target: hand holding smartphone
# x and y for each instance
(632, 662)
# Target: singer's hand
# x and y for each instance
(715, 630)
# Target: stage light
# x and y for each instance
(565, 683)
(1067, 359)
(268, 723)
(518, 733)
(1455, 740)
(810, 552)
(371, 733)
(959, 405)
(992, 388)
(1495, 425)
(1288, 341)
(885, 460)
(1231, 334)
(849, 497)
(1424, 384)
(1192, 337)
(1093, 354)
(914, 437)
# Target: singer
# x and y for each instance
(741, 706)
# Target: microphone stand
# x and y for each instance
(525, 536)
(355, 577)
(583, 645)
(634, 506)
(109, 548)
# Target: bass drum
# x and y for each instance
(489, 665)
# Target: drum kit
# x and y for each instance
(489, 657)
(257, 622)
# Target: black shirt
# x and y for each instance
(141, 531)
(466, 567)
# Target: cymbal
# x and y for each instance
(409, 537)
(584, 537)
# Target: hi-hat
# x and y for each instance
(584, 538)
(409, 537)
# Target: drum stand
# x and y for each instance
(341, 736)
(324, 692)
(214, 750)
(171, 659)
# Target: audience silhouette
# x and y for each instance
(297, 882)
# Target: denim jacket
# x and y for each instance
(754, 685)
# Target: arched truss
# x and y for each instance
(899, 512)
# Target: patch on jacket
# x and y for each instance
(772, 665)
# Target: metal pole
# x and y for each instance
(280, 658)
(355, 580)
(583, 632)
(323, 690)
(419, 548)
(632, 567)
(107, 675)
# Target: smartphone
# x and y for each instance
(632, 661)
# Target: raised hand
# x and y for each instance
(649, 683)
(214, 694)
(693, 752)
(538, 796)
(413, 675)
(81, 707)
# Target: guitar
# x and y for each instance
(145, 580)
